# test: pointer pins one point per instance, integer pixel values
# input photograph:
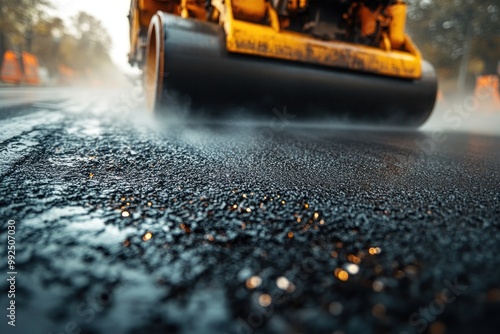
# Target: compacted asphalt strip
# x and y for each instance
(124, 225)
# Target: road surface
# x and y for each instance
(124, 225)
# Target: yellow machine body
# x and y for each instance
(255, 27)
(351, 58)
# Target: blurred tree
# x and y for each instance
(453, 34)
(18, 18)
(25, 26)
(91, 45)
(49, 35)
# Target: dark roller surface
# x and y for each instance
(202, 75)
(225, 203)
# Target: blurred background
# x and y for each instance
(460, 37)
(74, 42)
(68, 42)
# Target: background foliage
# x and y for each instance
(82, 45)
(460, 37)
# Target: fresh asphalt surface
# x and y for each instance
(127, 226)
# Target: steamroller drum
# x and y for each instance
(188, 67)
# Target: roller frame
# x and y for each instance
(194, 71)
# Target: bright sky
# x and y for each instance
(113, 16)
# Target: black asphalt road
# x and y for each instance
(123, 225)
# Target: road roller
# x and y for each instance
(339, 60)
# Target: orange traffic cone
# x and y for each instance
(11, 69)
(31, 67)
(487, 92)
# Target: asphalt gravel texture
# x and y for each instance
(124, 225)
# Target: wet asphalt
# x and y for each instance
(125, 225)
